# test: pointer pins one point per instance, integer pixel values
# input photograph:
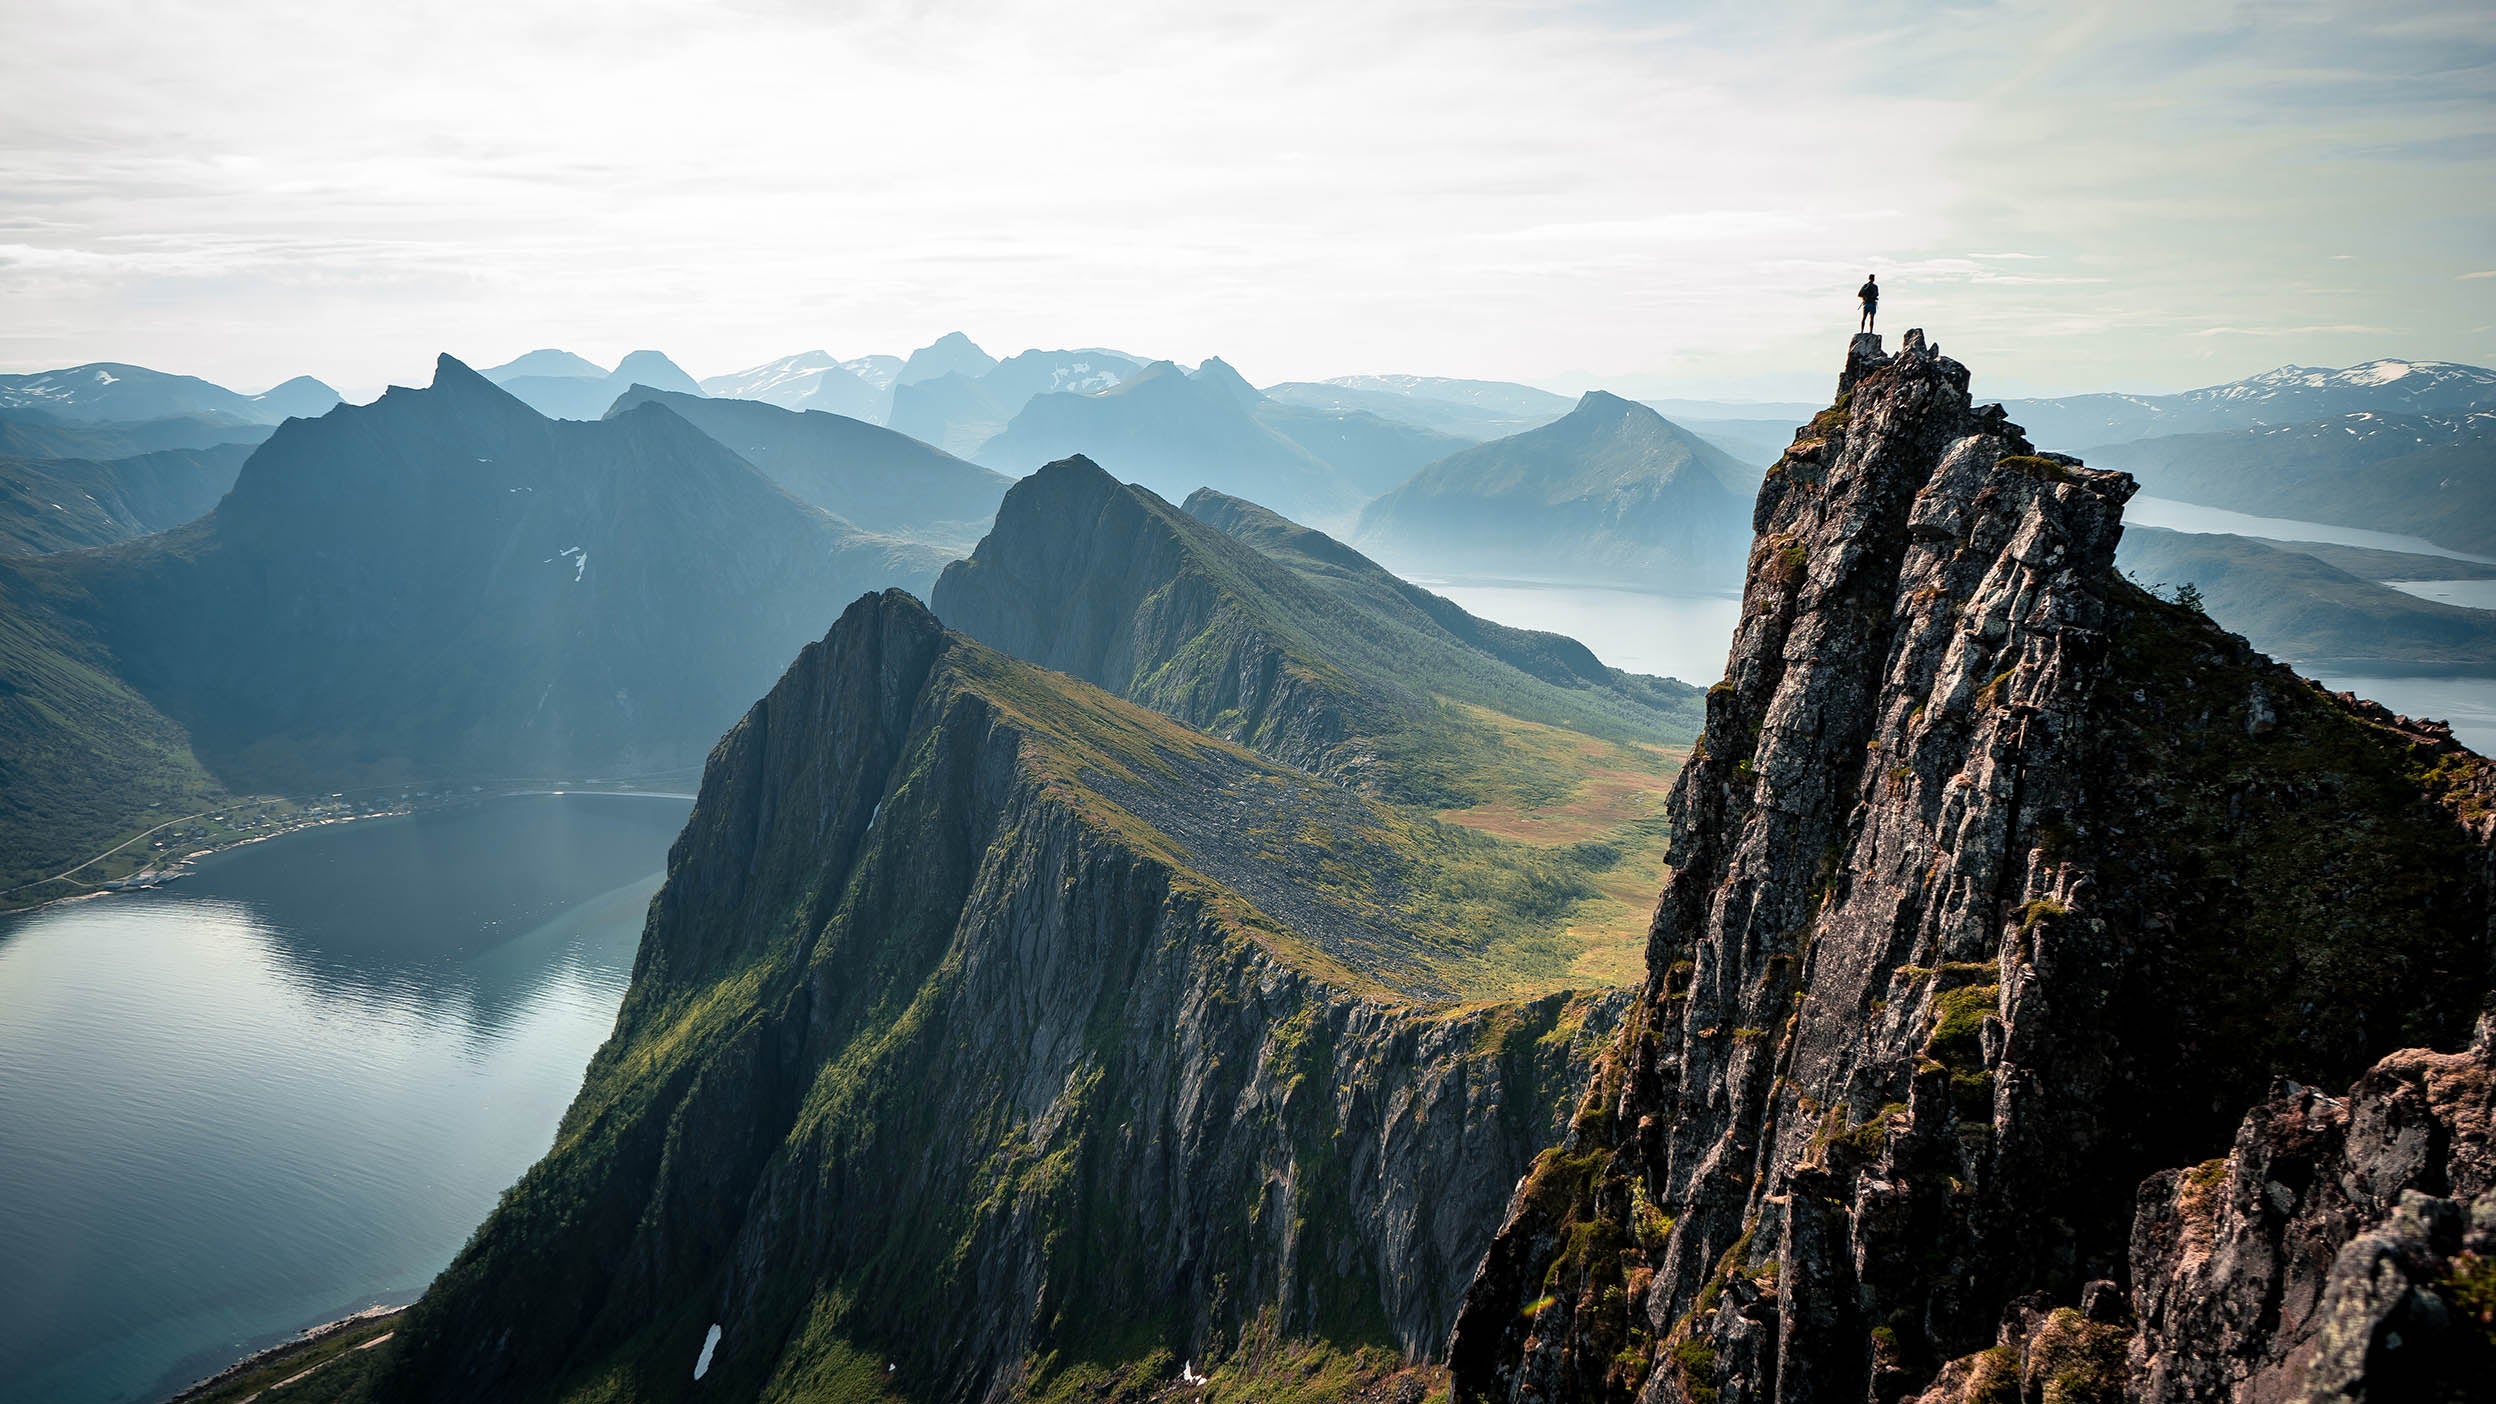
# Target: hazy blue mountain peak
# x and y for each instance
(546, 361)
(948, 353)
(1218, 374)
(655, 370)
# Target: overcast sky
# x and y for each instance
(1672, 199)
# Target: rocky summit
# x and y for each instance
(2000, 890)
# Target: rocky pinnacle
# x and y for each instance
(1997, 885)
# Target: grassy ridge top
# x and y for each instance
(1455, 808)
(1375, 897)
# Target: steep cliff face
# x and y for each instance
(951, 1069)
(2345, 1247)
(1997, 885)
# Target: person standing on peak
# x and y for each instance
(1870, 292)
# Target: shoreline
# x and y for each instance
(173, 869)
(309, 1339)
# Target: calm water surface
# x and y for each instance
(2187, 516)
(293, 1083)
(2469, 594)
(1685, 636)
(1672, 636)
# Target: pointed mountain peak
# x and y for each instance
(450, 373)
(452, 377)
(1218, 374)
(946, 354)
(300, 398)
(1603, 404)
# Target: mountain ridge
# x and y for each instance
(1610, 489)
(440, 585)
(1165, 1140)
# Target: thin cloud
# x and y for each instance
(2319, 329)
(1311, 188)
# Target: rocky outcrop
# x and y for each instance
(945, 1074)
(2344, 1248)
(1997, 884)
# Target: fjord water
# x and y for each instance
(2192, 516)
(290, 1085)
(1668, 636)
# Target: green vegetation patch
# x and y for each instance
(2306, 863)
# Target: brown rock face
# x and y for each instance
(1997, 884)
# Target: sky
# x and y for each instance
(1660, 199)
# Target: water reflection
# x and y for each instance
(296, 1082)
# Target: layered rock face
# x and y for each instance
(945, 1075)
(1997, 885)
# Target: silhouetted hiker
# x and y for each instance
(1870, 292)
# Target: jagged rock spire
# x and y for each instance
(1983, 877)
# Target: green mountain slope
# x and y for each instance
(2305, 611)
(33, 434)
(441, 585)
(2420, 475)
(59, 504)
(949, 1073)
(85, 760)
(1612, 491)
(1320, 659)
(875, 478)
(1286, 641)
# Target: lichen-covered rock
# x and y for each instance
(1997, 884)
(2330, 1254)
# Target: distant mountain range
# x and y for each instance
(2288, 395)
(1610, 491)
(2426, 475)
(950, 354)
(442, 584)
(26, 433)
(2301, 606)
(1174, 432)
(1459, 418)
(61, 504)
(560, 385)
(112, 391)
(961, 410)
(875, 478)
(811, 380)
